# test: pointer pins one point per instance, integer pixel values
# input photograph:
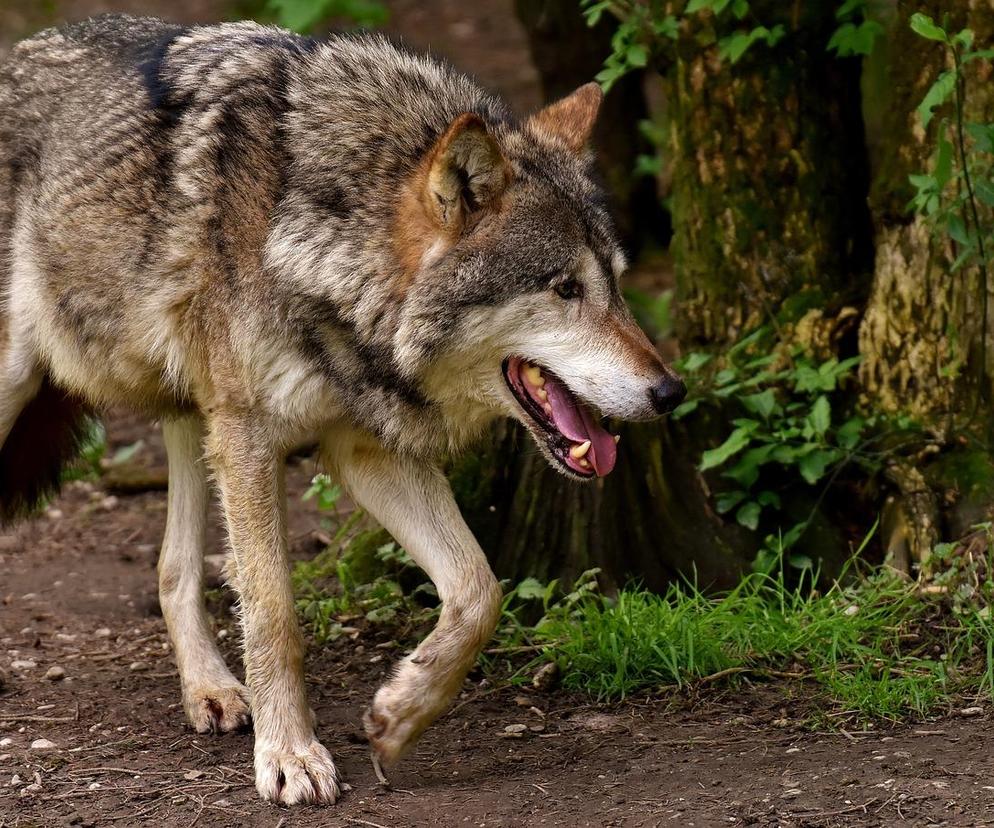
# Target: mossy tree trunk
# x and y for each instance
(761, 198)
(769, 174)
(922, 337)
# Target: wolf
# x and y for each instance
(266, 240)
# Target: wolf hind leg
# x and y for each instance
(214, 700)
(413, 501)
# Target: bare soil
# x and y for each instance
(78, 592)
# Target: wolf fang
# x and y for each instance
(339, 240)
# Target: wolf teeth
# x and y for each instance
(617, 438)
(580, 450)
(534, 375)
(585, 464)
(542, 394)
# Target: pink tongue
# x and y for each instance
(575, 422)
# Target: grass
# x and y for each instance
(878, 649)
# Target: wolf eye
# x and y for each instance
(569, 289)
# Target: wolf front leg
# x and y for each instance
(413, 501)
(291, 765)
(214, 700)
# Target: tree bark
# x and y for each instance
(769, 176)
(922, 333)
(922, 336)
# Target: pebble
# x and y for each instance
(137, 666)
(6, 741)
(15, 780)
(108, 503)
(55, 673)
(972, 711)
(103, 632)
(191, 775)
(93, 786)
(23, 664)
(4, 757)
(516, 728)
(43, 744)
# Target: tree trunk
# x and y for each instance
(769, 177)
(763, 196)
(922, 337)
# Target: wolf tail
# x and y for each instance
(48, 434)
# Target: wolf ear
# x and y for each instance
(467, 173)
(570, 120)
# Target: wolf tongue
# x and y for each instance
(577, 424)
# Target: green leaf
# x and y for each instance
(694, 362)
(763, 403)
(849, 433)
(855, 39)
(669, 27)
(812, 466)
(746, 471)
(848, 8)
(748, 515)
(982, 135)
(736, 441)
(637, 55)
(943, 162)
(530, 588)
(726, 501)
(740, 8)
(923, 25)
(985, 192)
(685, 408)
(768, 498)
(821, 415)
(937, 95)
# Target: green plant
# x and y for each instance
(877, 648)
(956, 194)
(790, 427)
(857, 32)
(305, 15)
(646, 28)
(87, 465)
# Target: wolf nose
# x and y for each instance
(667, 394)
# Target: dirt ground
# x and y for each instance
(78, 593)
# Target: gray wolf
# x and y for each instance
(266, 240)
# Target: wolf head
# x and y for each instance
(506, 244)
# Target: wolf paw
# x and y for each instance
(393, 725)
(218, 709)
(296, 775)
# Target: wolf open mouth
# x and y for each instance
(574, 436)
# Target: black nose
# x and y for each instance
(667, 394)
